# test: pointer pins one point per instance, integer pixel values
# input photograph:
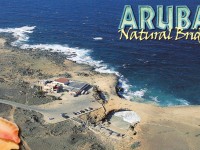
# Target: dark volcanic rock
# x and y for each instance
(5, 108)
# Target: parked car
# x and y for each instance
(64, 115)
(90, 108)
(82, 111)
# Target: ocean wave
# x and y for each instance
(135, 94)
(79, 55)
(123, 83)
(97, 38)
(155, 99)
(182, 102)
(140, 93)
(20, 34)
(176, 102)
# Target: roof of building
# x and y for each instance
(62, 80)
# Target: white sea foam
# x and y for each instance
(128, 116)
(97, 38)
(140, 93)
(20, 34)
(128, 94)
(124, 83)
(155, 99)
(182, 102)
(76, 54)
(177, 102)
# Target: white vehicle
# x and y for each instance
(82, 92)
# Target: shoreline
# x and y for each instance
(8, 45)
(160, 127)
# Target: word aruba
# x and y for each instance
(147, 15)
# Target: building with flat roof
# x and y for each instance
(63, 84)
(75, 87)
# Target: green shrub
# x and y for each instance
(135, 145)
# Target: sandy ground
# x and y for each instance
(35, 133)
(170, 128)
(164, 128)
